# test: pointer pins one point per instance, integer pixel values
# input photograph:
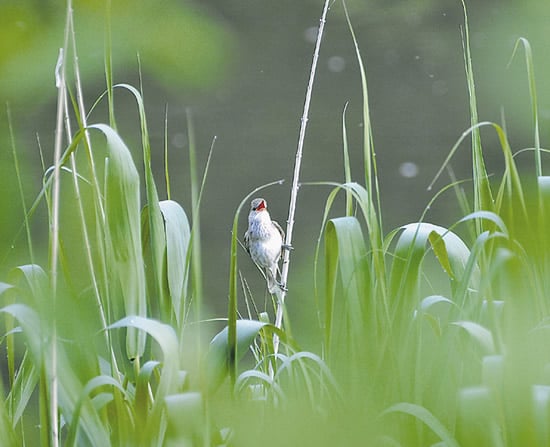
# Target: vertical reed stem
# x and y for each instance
(296, 178)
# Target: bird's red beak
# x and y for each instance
(261, 206)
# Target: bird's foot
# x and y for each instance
(287, 247)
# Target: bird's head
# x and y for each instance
(258, 205)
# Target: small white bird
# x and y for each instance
(264, 242)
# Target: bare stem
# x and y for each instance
(296, 178)
(61, 100)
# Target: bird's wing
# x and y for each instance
(279, 229)
(247, 241)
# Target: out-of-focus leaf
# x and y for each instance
(481, 335)
(424, 415)
(541, 413)
(219, 353)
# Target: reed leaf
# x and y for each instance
(122, 199)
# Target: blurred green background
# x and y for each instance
(241, 67)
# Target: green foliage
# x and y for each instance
(429, 336)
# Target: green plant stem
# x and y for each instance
(54, 247)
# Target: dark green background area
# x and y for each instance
(241, 66)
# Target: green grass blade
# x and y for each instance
(91, 386)
(347, 166)
(424, 415)
(345, 252)
(370, 201)
(483, 197)
(533, 96)
(220, 356)
(166, 338)
(481, 335)
(68, 384)
(156, 225)
(178, 235)
(7, 423)
(141, 399)
(186, 419)
(20, 184)
(22, 388)
(122, 197)
(541, 412)
(196, 251)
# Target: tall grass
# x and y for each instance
(429, 337)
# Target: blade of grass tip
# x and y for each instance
(20, 183)
(199, 201)
(533, 96)
(47, 181)
(100, 212)
(196, 260)
(483, 198)
(371, 179)
(206, 168)
(374, 214)
(347, 166)
(296, 176)
(156, 224)
(166, 171)
(82, 120)
(453, 150)
(511, 182)
(232, 310)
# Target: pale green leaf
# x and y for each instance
(424, 415)
(125, 260)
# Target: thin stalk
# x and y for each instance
(109, 64)
(166, 171)
(373, 214)
(54, 259)
(20, 184)
(195, 230)
(296, 177)
(347, 165)
(483, 199)
(97, 192)
(533, 96)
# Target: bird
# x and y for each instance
(264, 242)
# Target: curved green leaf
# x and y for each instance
(177, 234)
(141, 399)
(92, 385)
(451, 252)
(424, 415)
(346, 257)
(165, 336)
(482, 335)
(219, 355)
(123, 225)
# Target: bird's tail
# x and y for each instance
(272, 284)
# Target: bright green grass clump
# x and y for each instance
(429, 338)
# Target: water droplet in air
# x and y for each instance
(336, 64)
(408, 169)
(310, 34)
(179, 140)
